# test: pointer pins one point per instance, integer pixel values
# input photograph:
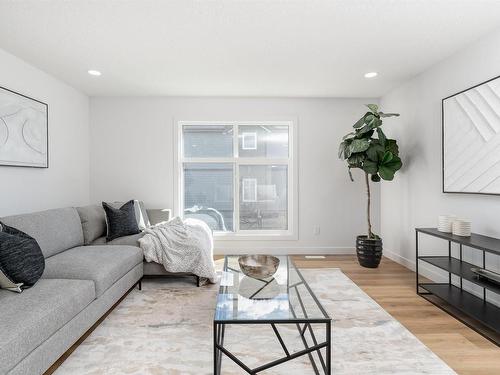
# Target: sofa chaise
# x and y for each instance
(93, 220)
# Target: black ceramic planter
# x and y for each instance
(369, 251)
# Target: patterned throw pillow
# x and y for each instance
(120, 221)
(21, 259)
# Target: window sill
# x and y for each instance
(260, 236)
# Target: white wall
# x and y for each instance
(415, 199)
(66, 181)
(132, 157)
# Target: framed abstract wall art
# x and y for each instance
(471, 140)
(23, 130)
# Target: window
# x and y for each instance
(237, 177)
(249, 141)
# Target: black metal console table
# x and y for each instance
(474, 311)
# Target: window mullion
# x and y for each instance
(236, 145)
(236, 210)
(236, 180)
(263, 161)
(207, 160)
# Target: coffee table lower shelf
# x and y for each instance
(324, 365)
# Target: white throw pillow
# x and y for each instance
(141, 215)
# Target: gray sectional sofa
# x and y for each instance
(79, 285)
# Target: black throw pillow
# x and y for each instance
(120, 221)
(21, 259)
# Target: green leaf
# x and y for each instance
(387, 170)
(387, 157)
(356, 160)
(376, 123)
(386, 173)
(344, 149)
(392, 146)
(382, 114)
(375, 152)
(341, 149)
(381, 136)
(364, 132)
(347, 151)
(348, 135)
(373, 107)
(359, 123)
(359, 145)
(375, 178)
(395, 163)
(370, 167)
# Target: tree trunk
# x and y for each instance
(367, 179)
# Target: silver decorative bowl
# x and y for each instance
(258, 266)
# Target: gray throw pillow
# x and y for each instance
(120, 221)
(93, 220)
(21, 259)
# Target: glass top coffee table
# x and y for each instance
(283, 299)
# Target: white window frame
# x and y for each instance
(292, 232)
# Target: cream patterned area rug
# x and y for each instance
(166, 329)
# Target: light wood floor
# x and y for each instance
(393, 287)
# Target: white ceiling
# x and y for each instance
(240, 47)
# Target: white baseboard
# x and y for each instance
(425, 270)
(408, 263)
(284, 250)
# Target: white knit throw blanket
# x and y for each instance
(181, 246)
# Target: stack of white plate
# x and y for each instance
(461, 227)
(445, 223)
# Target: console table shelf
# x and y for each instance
(485, 315)
(475, 241)
(461, 269)
(485, 312)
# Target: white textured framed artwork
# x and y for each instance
(471, 140)
(23, 130)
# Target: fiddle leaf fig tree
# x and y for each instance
(368, 149)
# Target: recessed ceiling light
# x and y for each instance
(371, 75)
(94, 73)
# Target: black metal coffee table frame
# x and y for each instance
(303, 326)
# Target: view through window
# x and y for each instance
(236, 177)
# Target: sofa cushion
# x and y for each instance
(30, 318)
(132, 240)
(93, 220)
(102, 264)
(54, 230)
(159, 215)
(99, 241)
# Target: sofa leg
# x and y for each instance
(139, 284)
(198, 281)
